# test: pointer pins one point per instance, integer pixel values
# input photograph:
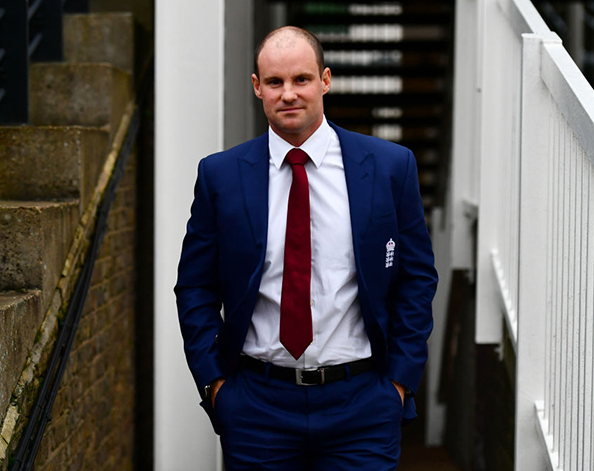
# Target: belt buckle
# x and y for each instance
(299, 376)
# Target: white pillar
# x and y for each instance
(464, 175)
(189, 126)
(530, 453)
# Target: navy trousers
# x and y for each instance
(270, 424)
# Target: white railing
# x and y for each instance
(533, 113)
(557, 252)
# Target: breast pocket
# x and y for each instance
(386, 218)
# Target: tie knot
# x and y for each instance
(297, 157)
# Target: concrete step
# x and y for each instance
(86, 94)
(143, 11)
(34, 240)
(100, 37)
(43, 162)
(20, 317)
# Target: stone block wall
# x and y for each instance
(92, 426)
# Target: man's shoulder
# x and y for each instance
(372, 144)
(258, 145)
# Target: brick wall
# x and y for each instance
(92, 426)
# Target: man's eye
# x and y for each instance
(302, 79)
(274, 82)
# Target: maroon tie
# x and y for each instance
(295, 322)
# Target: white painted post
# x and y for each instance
(189, 126)
(499, 62)
(530, 369)
(466, 127)
(587, 297)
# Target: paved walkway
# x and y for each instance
(416, 457)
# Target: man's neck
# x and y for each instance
(297, 139)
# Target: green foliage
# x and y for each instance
(11, 459)
(37, 337)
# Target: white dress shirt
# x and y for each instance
(338, 332)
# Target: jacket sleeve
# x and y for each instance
(411, 318)
(198, 289)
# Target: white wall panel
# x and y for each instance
(189, 117)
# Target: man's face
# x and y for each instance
(291, 88)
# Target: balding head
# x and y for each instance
(286, 37)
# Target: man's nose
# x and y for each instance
(288, 94)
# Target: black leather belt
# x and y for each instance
(307, 376)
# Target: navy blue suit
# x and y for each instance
(225, 245)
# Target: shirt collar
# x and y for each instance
(315, 146)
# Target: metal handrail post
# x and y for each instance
(14, 62)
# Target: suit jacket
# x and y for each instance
(223, 256)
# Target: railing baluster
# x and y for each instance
(589, 308)
(573, 295)
(34, 44)
(581, 339)
(47, 21)
(32, 10)
(564, 307)
(14, 66)
(557, 230)
(549, 412)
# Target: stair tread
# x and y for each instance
(9, 299)
(57, 127)
(10, 204)
(81, 64)
(105, 14)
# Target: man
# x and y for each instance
(313, 239)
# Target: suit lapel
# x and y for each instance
(359, 170)
(253, 170)
(359, 174)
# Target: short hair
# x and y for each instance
(313, 41)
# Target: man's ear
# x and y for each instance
(256, 84)
(326, 79)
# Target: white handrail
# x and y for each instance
(523, 16)
(572, 93)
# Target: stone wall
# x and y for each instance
(92, 426)
(64, 159)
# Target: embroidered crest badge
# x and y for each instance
(390, 247)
